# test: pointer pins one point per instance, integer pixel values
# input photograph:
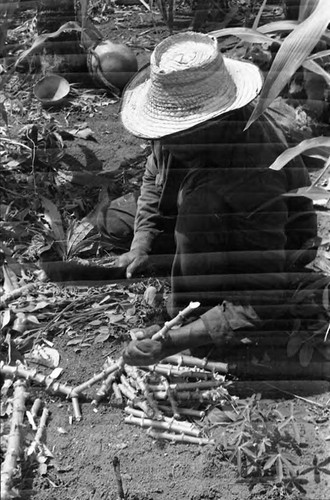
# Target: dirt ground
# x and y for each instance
(82, 467)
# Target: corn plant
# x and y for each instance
(301, 37)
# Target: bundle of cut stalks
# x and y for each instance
(169, 399)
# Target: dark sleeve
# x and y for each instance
(301, 228)
(147, 220)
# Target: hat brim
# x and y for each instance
(141, 122)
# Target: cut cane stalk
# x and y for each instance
(117, 393)
(76, 408)
(36, 407)
(185, 396)
(171, 370)
(134, 400)
(182, 359)
(179, 438)
(184, 411)
(31, 421)
(133, 372)
(183, 426)
(99, 376)
(171, 399)
(175, 321)
(188, 386)
(158, 424)
(39, 378)
(41, 427)
(9, 464)
(105, 389)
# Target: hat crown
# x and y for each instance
(184, 52)
(186, 70)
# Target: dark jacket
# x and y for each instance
(232, 221)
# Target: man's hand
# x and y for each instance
(135, 261)
(144, 352)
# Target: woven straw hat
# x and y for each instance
(187, 83)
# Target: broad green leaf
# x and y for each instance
(306, 354)
(245, 34)
(294, 50)
(53, 217)
(302, 147)
(41, 39)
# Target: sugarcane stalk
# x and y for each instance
(179, 438)
(188, 386)
(105, 389)
(99, 376)
(31, 421)
(158, 424)
(76, 408)
(14, 441)
(39, 378)
(175, 321)
(117, 393)
(41, 427)
(36, 407)
(33, 413)
(133, 372)
(204, 364)
(184, 411)
(171, 370)
(171, 399)
(130, 394)
(169, 423)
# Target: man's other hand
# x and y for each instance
(135, 261)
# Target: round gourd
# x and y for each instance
(112, 64)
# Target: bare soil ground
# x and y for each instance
(84, 451)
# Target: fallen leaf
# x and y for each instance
(115, 318)
(75, 341)
(86, 134)
(102, 337)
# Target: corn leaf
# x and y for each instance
(84, 15)
(322, 53)
(292, 53)
(258, 17)
(278, 27)
(41, 39)
(313, 193)
(302, 147)
(306, 7)
(316, 68)
(245, 34)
